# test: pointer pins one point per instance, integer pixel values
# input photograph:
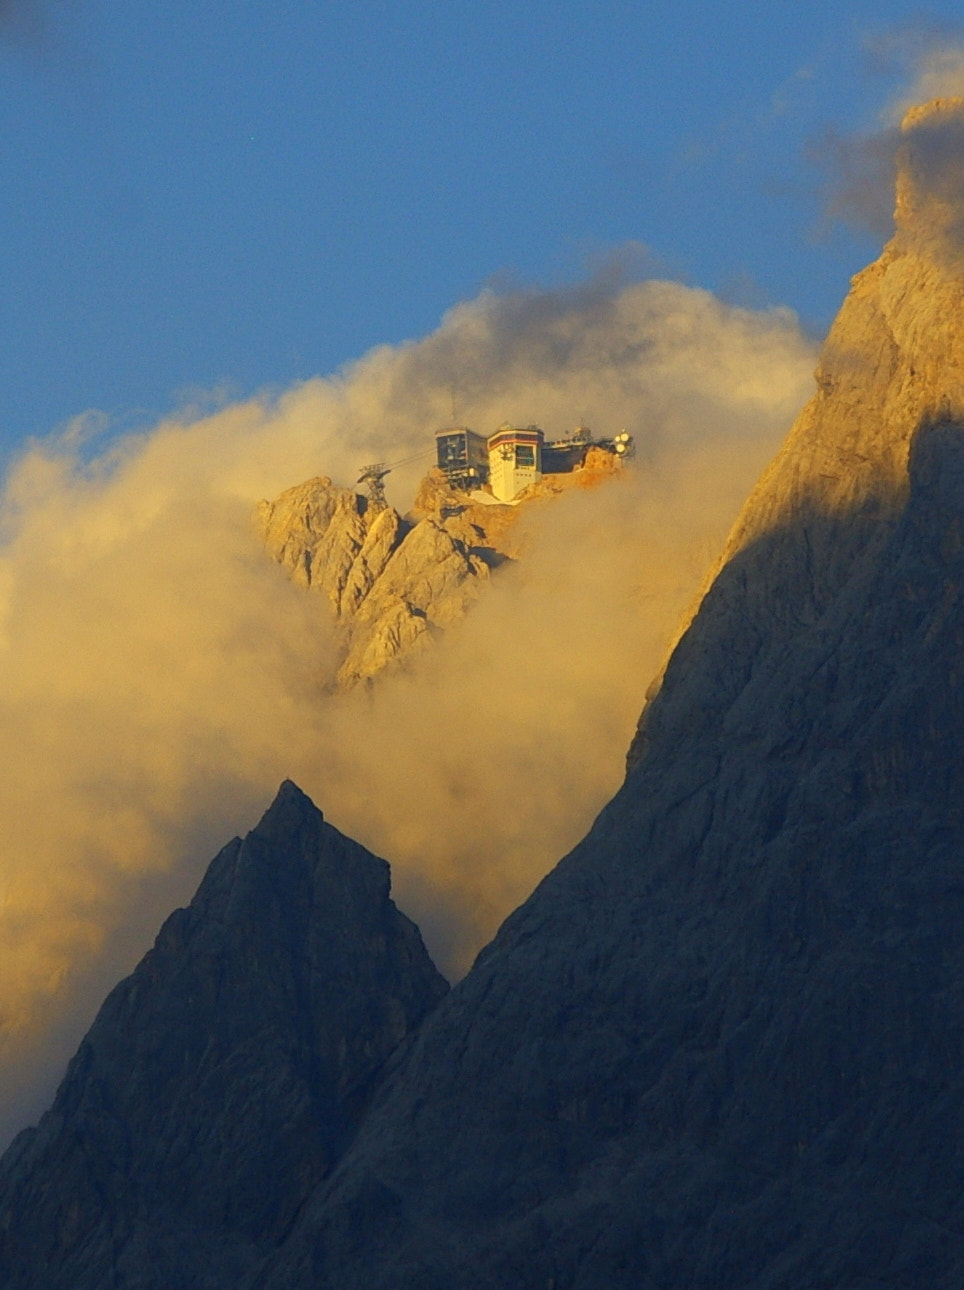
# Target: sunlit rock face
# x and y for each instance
(722, 1044)
(395, 584)
(391, 582)
(226, 1075)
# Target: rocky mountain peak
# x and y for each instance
(396, 583)
(291, 809)
(890, 371)
(227, 1073)
(892, 363)
(392, 583)
(930, 177)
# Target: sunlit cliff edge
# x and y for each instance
(395, 582)
(893, 359)
(894, 355)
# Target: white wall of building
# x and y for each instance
(514, 461)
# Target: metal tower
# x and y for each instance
(374, 476)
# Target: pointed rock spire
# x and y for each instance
(226, 1075)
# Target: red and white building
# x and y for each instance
(515, 460)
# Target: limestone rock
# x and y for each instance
(384, 535)
(398, 632)
(391, 582)
(226, 1076)
(395, 584)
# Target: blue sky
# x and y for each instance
(233, 195)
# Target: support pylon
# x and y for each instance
(374, 477)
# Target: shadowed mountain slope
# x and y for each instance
(226, 1075)
(722, 1045)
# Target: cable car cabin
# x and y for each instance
(515, 460)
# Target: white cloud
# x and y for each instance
(936, 72)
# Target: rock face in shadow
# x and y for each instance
(226, 1075)
(722, 1045)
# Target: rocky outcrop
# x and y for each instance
(226, 1076)
(395, 584)
(392, 583)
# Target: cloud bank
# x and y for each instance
(159, 675)
(861, 167)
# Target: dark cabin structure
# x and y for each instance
(462, 457)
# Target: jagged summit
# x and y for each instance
(391, 582)
(396, 583)
(226, 1075)
(291, 807)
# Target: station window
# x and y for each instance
(525, 457)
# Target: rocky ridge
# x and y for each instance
(396, 583)
(390, 582)
(226, 1075)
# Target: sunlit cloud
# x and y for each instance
(925, 59)
(928, 63)
(159, 675)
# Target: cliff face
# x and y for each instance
(722, 1044)
(391, 582)
(890, 375)
(226, 1075)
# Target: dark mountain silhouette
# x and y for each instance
(722, 1044)
(224, 1077)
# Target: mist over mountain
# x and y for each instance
(161, 675)
(720, 1045)
(395, 583)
